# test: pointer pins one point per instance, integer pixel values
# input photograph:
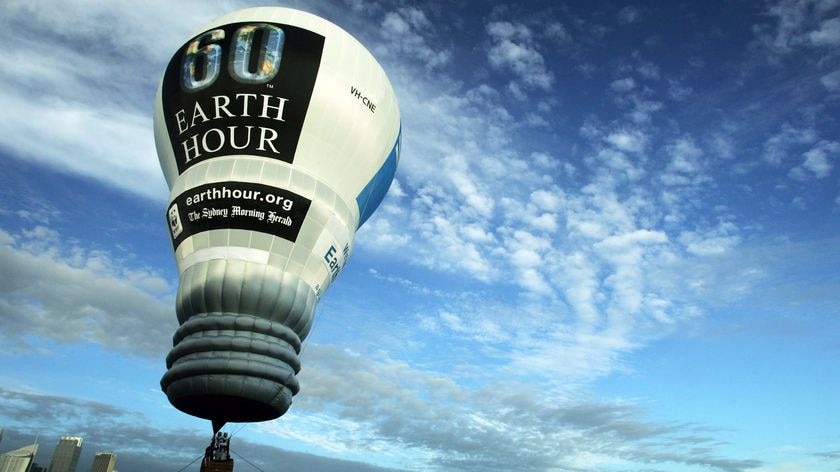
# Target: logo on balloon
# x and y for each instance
(175, 225)
(241, 88)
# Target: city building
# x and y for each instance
(66, 454)
(18, 460)
(104, 462)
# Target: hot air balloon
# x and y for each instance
(278, 134)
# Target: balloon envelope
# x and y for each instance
(278, 134)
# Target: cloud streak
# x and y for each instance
(399, 410)
(68, 293)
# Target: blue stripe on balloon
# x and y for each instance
(371, 196)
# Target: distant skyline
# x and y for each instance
(65, 456)
(612, 244)
(18, 460)
(103, 462)
(45, 452)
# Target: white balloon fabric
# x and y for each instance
(278, 134)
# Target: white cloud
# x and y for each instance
(380, 232)
(633, 141)
(621, 242)
(642, 110)
(678, 91)
(722, 146)
(817, 161)
(582, 285)
(799, 24)
(712, 241)
(558, 32)
(831, 81)
(623, 85)
(406, 30)
(685, 166)
(620, 164)
(448, 251)
(624, 253)
(707, 246)
(514, 49)
(777, 148)
(828, 33)
(629, 14)
(525, 258)
(543, 222)
(548, 200)
(527, 250)
(648, 70)
(457, 171)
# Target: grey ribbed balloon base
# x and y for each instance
(235, 355)
(231, 367)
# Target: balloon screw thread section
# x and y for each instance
(232, 367)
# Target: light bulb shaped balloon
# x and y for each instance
(278, 134)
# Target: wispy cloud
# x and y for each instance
(817, 162)
(87, 87)
(64, 292)
(405, 31)
(515, 49)
(629, 14)
(401, 411)
(831, 81)
(799, 24)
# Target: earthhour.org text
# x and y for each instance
(216, 193)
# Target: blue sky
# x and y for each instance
(611, 245)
